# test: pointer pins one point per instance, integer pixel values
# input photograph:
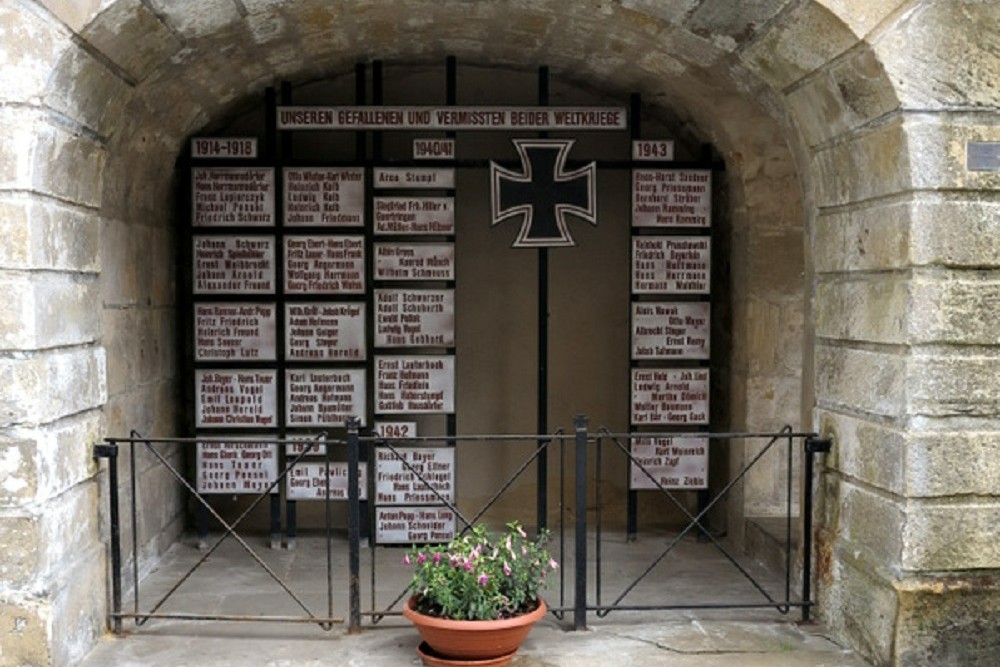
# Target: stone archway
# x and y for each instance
(857, 113)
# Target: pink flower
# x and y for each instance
(521, 531)
(437, 558)
(406, 559)
(483, 579)
(421, 559)
(468, 566)
(506, 569)
(553, 564)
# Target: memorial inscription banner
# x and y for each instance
(671, 264)
(673, 462)
(324, 331)
(324, 265)
(669, 396)
(671, 198)
(245, 398)
(414, 318)
(233, 264)
(324, 396)
(234, 331)
(318, 196)
(670, 330)
(415, 384)
(236, 467)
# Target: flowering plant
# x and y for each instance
(480, 575)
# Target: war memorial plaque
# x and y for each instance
(414, 525)
(232, 197)
(237, 331)
(307, 481)
(324, 265)
(395, 430)
(236, 467)
(244, 398)
(233, 264)
(671, 198)
(671, 264)
(652, 150)
(324, 396)
(413, 178)
(414, 318)
(671, 396)
(663, 330)
(323, 331)
(224, 148)
(414, 261)
(317, 196)
(414, 215)
(310, 445)
(673, 462)
(397, 483)
(433, 149)
(415, 384)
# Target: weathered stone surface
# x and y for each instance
(18, 127)
(47, 386)
(941, 144)
(952, 464)
(953, 385)
(955, 307)
(79, 609)
(774, 338)
(112, 32)
(780, 55)
(196, 18)
(873, 163)
(31, 43)
(841, 98)
(862, 16)
(74, 13)
(25, 630)
(949, 621)
(869, 452)
(23, 546)
(872, 382)
(40, 234)
(952, 536)
(958, 62)
(969, 237)
(869, 308)
(86, 91)
(732, 23)
(66, 165)
(874, 237)
(48, 310)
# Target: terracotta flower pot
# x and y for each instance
(473, 640)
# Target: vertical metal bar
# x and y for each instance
(812, 447)
(353, 524)
(542, 499)
(135, 524)
(580, 592)
(599, 523)
(328, 521)
(110, 452)
(632, 502)
(788, 523)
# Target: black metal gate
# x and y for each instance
(581, 589)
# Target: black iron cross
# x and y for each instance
(543, 193)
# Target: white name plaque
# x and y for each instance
(324, 396)
(669, 396)
(671, 198)
(325, 331)
(433, 149)
(414, 261)
(234, 331)
(414, 318)
(307, 481)
(414, 525)
(670, 330)
(397, 483)
(233, 264)
(415, 384)
(236, 398)
(325, 196)
(652, 149)
(314, 445)
(395, 430)
(671, 264)
(674, 462)
(231, 148)
(324, 265)
(414, 215)
(236, 467)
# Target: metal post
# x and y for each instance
(542, 469)
(109, 451)
(354, 524)
(580, 593)
(813, 446)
